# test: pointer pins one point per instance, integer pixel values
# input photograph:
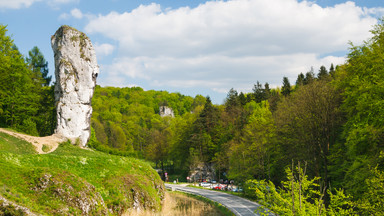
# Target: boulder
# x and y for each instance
(76, 70)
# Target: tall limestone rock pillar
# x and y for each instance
(76, 70)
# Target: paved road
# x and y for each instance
(239, 206)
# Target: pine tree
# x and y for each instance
(286, 89)
(258, 92)
(323, 73)
(309, 77)
(300, 80)
(232, 100)
(267, 91)
(39, 66)
(332, 71)
(242, 99)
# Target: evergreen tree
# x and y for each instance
(300, 80)
(309, 77)
(242, 99)
(258, 92)
(332, 71)
(39, 66)
(323, 73)
(232, 100)
(267, 91)
(286, 89)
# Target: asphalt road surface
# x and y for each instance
(238, 205)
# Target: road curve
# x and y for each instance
(238, 205)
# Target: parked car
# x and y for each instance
(237, 189)
(216, 187)
(204, 184)
(223, 187)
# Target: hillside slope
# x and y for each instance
(74, 181)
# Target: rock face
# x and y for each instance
(202, 171)
(76, 70)
(166, 111)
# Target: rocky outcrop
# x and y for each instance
(202, 171)
(10, 208)
(73, 191)
(76, 70)
(166, 111)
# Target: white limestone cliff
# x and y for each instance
(166, 111)
(76, 70)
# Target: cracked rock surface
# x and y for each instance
(76, 70)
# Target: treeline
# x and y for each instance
(26, 99)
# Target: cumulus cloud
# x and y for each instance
(16, 4)
(224, 44)
(103, 49)
(76, 13)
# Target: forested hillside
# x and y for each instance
(331, 121)
(26, 99)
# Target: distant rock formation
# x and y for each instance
(76, 70)
(166, 111)
(202, 171)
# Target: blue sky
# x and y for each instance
(198, 47)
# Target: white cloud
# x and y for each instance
(16, 4)
(103, 49)
(76, 13)
(224, 44)
(64, 16)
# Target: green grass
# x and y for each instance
(54, 183)
(11, 144)
(222, 209)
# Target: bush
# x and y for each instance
(298, 196)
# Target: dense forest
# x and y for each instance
(325, 131)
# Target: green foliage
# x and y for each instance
(332, 120)
(298, 196)
(323, 73)
(250, 158)
(372, 201)
(39, 66)
(286, 89)
(24, 103)
(58, 182)
(362, 82)
(308, 123)
(123, 117)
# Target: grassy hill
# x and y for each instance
(74, 181)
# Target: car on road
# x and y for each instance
(205, 184)
(219, 187)
(237, 189)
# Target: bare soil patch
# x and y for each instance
(43, 145)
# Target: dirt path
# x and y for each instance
(51, 142)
